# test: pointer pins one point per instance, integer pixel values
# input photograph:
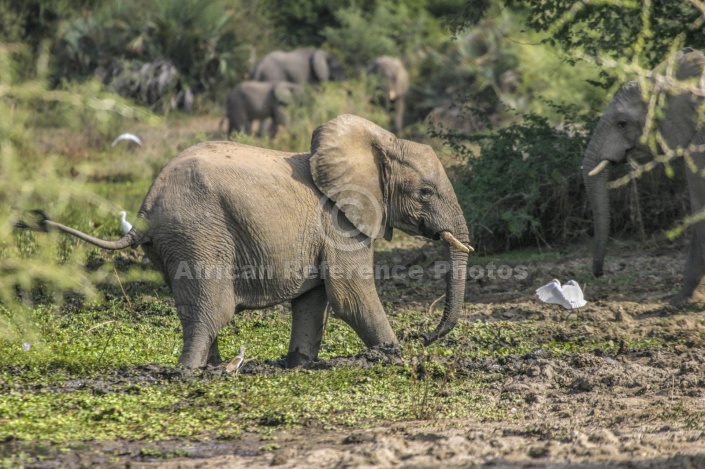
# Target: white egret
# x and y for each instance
(569, 295)
(126, 226)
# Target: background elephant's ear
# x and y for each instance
(319, 64)
(350, 165)
(284, 92)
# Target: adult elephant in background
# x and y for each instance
(234, 227)
(618, 135)
(394, 83)
(299, 66)
(257, 101)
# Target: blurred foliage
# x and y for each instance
(493, 66)
(208, 42)
(641, 30)
(302, 22)
(32, 178)
(201, 38)
(306, 23)
(389, 28)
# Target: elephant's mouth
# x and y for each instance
(428, 232)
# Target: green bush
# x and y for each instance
(399, 29)
(206, 41)
(521, 185)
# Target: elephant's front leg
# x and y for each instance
(308, 321)
(695, 260)
(353, 297)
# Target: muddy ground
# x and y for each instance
(641, 407)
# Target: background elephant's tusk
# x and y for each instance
(598, 169)
(448, 237)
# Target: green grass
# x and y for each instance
(73, 384)
(87, 375)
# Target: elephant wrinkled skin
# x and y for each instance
(618, 134)
(234, 227)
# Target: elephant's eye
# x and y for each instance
(622, 124)
(426, 192)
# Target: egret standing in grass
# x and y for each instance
(236, 363)
(126, 225)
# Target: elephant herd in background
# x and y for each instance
(276, 80)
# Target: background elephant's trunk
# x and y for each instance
(455, 288)
(598, 196)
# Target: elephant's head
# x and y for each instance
(326, 66)
(380, 182)
(285, 92)
(616, 135)
(394, 80)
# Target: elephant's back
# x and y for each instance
(221, 181)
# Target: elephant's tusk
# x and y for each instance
(598, 169)
(448, 237)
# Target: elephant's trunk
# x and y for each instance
(598, 195)
(455, 283)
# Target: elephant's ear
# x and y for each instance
(319, 65)
(283, 92)
(350, 164)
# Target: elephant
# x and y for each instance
(300, 66)
(394, 84)
(619, 134)
(255, 100)
(234, 227)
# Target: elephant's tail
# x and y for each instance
(44, 223)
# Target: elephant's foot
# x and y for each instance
(215, 360)
(685, 297)
(679, 300)
(296, 358)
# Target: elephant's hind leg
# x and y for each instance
(308, 321)
(203, 309)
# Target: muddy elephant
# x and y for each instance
(258, 101)
(301, 66)
(618, 135)
(394, 83)
(234, 227)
